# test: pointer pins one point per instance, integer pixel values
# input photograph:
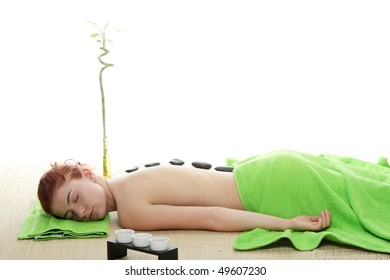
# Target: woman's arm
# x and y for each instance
(225, 219)
(155, 217)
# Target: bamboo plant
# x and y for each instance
(102, 40)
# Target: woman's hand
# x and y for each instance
(312, 223)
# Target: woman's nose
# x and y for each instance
(80, 211)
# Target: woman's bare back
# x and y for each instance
(172, 186)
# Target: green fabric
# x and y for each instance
(41, 226)
(288, 184)
(383, 162)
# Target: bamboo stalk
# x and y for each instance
(106, 159)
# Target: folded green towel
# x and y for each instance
(288, 184)
(41, 226)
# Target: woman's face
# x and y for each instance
(80, 200)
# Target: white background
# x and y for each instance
(196, 80)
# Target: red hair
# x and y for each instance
(54, 178)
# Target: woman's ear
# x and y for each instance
(89, 174)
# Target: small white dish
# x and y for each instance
(141, 239)
(159, 243)
(124, 235)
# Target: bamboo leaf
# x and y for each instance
(118, 30)
(99, 41)
(95, 35)
(106, 25)
(91, 22)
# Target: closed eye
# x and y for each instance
(69, 215)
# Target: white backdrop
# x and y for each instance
(197, 80)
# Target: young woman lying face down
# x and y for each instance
(161, 197)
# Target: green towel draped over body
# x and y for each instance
(288, 184)
(41, 226)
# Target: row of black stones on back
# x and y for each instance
(197, 164)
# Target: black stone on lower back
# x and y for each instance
(202, 165)
(224, 168)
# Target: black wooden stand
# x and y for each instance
(119, 250)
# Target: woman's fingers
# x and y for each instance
(323, 220)
(326, 218)
(329, 218)
(326, 214)
(323, 215)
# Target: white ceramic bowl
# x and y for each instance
(124, 235)
(159, 243)
(141, 239)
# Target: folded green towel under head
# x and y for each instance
(41, 226)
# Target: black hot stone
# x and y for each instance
(176, 162)
(152, 164)
(202, 165)
(224, 168)
(134, 168)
